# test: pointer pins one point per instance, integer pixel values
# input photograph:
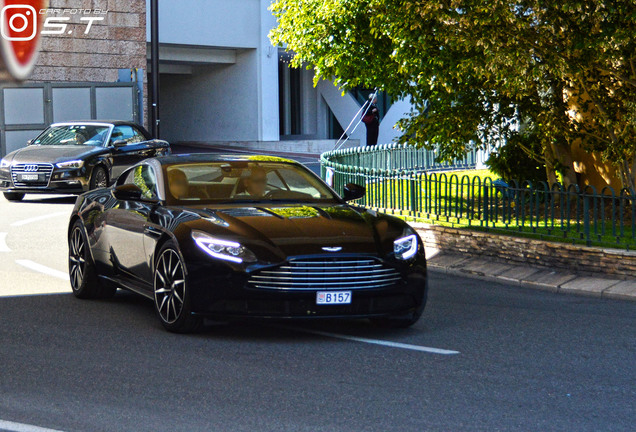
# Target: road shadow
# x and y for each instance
(133, 314)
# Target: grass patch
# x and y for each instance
(466, 199)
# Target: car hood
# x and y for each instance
(52, 154)
(296, 230)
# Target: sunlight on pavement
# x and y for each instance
(26, 282)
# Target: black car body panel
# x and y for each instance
(43, 160)
(352, 248)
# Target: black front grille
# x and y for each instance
(307, 308)
(42, 170)
(326, 274)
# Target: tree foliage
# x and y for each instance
(484, 72)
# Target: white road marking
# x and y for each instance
(3, 243)
(39, 218)
(21, 427)
(377, 342)
(43, 269)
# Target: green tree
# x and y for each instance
(481, 73)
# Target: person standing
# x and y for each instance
(371, 119)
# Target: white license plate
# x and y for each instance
(333, 297)
(29, 177)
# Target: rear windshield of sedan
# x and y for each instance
(241, 181)
(73, 135)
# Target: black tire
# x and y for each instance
(171, 291)
(99, 178)
(13, 196)
(84, 280)
(397, 321)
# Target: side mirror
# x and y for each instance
(127, 192)
(353, 191)
(29, 142)
(119, 143)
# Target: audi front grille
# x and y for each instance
(326, 274)
(43, 171)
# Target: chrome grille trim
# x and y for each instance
(326, 274)
(28, 168)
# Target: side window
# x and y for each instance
(146, 180)
(144, 177)
(274, 180)
(137, 136)
(127, 133)
(128, 179)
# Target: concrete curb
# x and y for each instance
(532, 277)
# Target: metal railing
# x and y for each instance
(395, 157)
(605, 218)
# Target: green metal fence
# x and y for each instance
(588, 216)
(396, 157)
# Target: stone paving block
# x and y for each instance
(431, 252)
(483, 267)
(588, 285)
(624, 290)
(532, 277)
(518, 273)
(548, 279)
(446, 260)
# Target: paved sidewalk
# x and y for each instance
(531, 277)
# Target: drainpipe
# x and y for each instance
(154, 64)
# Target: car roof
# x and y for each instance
(215, 157)
(104, 122)
(98, 121)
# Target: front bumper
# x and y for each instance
(61, 182)
(229, 295)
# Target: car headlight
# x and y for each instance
(405, 247)
(75, 164)
(5, 163)
(223, 249)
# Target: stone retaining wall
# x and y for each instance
(619, 264)
(117, 42)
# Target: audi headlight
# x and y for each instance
(405, 247)
(223, 249)
(5, 163)
(74, 164)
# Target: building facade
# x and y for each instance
(221, 79)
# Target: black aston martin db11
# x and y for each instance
(231, 237)
(71, 158)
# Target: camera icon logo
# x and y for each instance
(18, 22)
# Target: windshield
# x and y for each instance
(242, 181)
(73, 135)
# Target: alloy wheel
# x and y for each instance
(77, 260)
(170, 286)
(101, 181)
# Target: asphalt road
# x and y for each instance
(525, 360)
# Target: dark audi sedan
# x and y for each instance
(234, 237)
(71, 158)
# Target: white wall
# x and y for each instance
(267, 78)
(241, 100)
(388, 132)
(217, 103)
(343, 107)
(218, 23)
